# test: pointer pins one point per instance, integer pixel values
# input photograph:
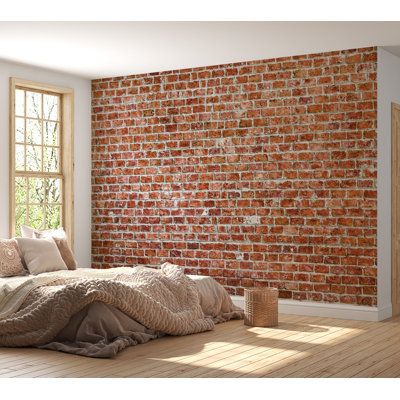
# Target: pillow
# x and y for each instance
(15, 243)
(10, 260)
(32, 233)
(66, 253)
(41, 255)
(60, 238)
(27, 231)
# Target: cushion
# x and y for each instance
(27, 231)
(41, 255)
(66, 253)
(10, 260)
(60, 238)
(32, 233)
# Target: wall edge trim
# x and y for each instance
(331, 310)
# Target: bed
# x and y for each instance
(97, 313)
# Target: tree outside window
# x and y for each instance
(38, 178)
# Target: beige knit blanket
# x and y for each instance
(164, 300)
(15, 290)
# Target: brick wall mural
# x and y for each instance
(256, 173)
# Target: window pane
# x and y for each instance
(33, 131)
(20, 218)
(36, 190)
(50, 107)
(33, 158)
(19, 157)
(19, 130)
(33, 105)
(53, 191)
(36, 217)
(51, 134)
(19, 102)
(51, 158)
(21, 192)
(38, 198)
(53, 216)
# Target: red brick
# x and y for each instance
(260, 173)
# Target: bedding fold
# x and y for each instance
(97, 314)
(100, 331)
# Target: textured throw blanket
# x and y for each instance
(98, 313)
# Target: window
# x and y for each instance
(41, 163)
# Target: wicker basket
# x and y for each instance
(261, 307)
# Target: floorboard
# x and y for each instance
(299, 347)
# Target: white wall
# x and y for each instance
(82, 130)
(388, 92)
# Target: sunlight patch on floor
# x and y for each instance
(223, 354)
(247, 365)
(264, 344)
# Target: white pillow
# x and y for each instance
(41, 255)
(28, 232)
(54, 233)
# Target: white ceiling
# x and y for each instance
(104, 49)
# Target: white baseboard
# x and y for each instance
(331, 310)
(385, 312)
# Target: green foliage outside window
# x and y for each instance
(38, 182)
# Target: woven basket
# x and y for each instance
(261, 307)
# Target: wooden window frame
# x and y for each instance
(66, 172)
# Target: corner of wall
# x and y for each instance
(388, 81)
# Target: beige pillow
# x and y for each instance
(41, 255)
(60, 238)
(10, 260)
(66, 253)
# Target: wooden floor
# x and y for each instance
(299, 347)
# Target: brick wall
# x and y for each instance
(256, 173)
